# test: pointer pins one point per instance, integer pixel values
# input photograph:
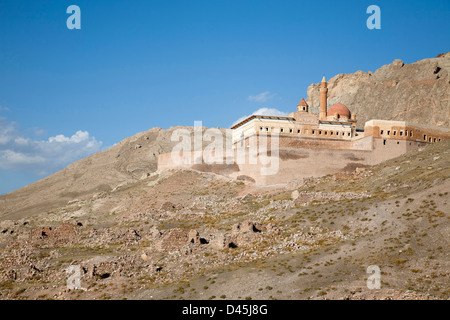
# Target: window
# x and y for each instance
(395, 133)
(382, 131)
(331, 133)
(290, 130)
(298, 131)
(267, 129)
(314, 131)
(320, 131)
(326, 132)
(401, 133)
(384, 142)
(260, 128)
(281, 130)
(389, 132)
(406, 133)
(411, 133)
(425, 137)
(348, 134)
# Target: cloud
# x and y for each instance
(261, 97)
(263, 112)
(42, 157)
(3, 108)
(38, 131)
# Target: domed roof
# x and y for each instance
(340, 109)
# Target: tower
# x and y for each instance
(302, 105)
(323, 99)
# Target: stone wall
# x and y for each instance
(401, 130)
(300, 158)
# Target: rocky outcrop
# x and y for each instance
(417, 92)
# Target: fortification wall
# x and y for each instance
(303, 158)
(299, 163)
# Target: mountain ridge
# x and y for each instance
(395, 91)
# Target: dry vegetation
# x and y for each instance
(135, 241)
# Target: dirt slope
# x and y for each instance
(123, 163)
(190, 234)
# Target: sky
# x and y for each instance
(134, 65)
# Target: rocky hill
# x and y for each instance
(194, 235)
(123, 163)
(186, 234)
(417, 92)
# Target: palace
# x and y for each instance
(335, 124)
(312, 145)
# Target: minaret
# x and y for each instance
(323, 99)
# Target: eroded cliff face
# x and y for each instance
(417, 92)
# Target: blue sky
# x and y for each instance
(134, 65)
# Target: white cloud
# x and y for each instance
(38, 132)
(7, 131)
(3, 108)
(263, 112)
(43, 157)
(261, 97)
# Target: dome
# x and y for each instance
(340, 109)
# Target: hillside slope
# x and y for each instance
(123, 163)
(417, 92)
(193, 235)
